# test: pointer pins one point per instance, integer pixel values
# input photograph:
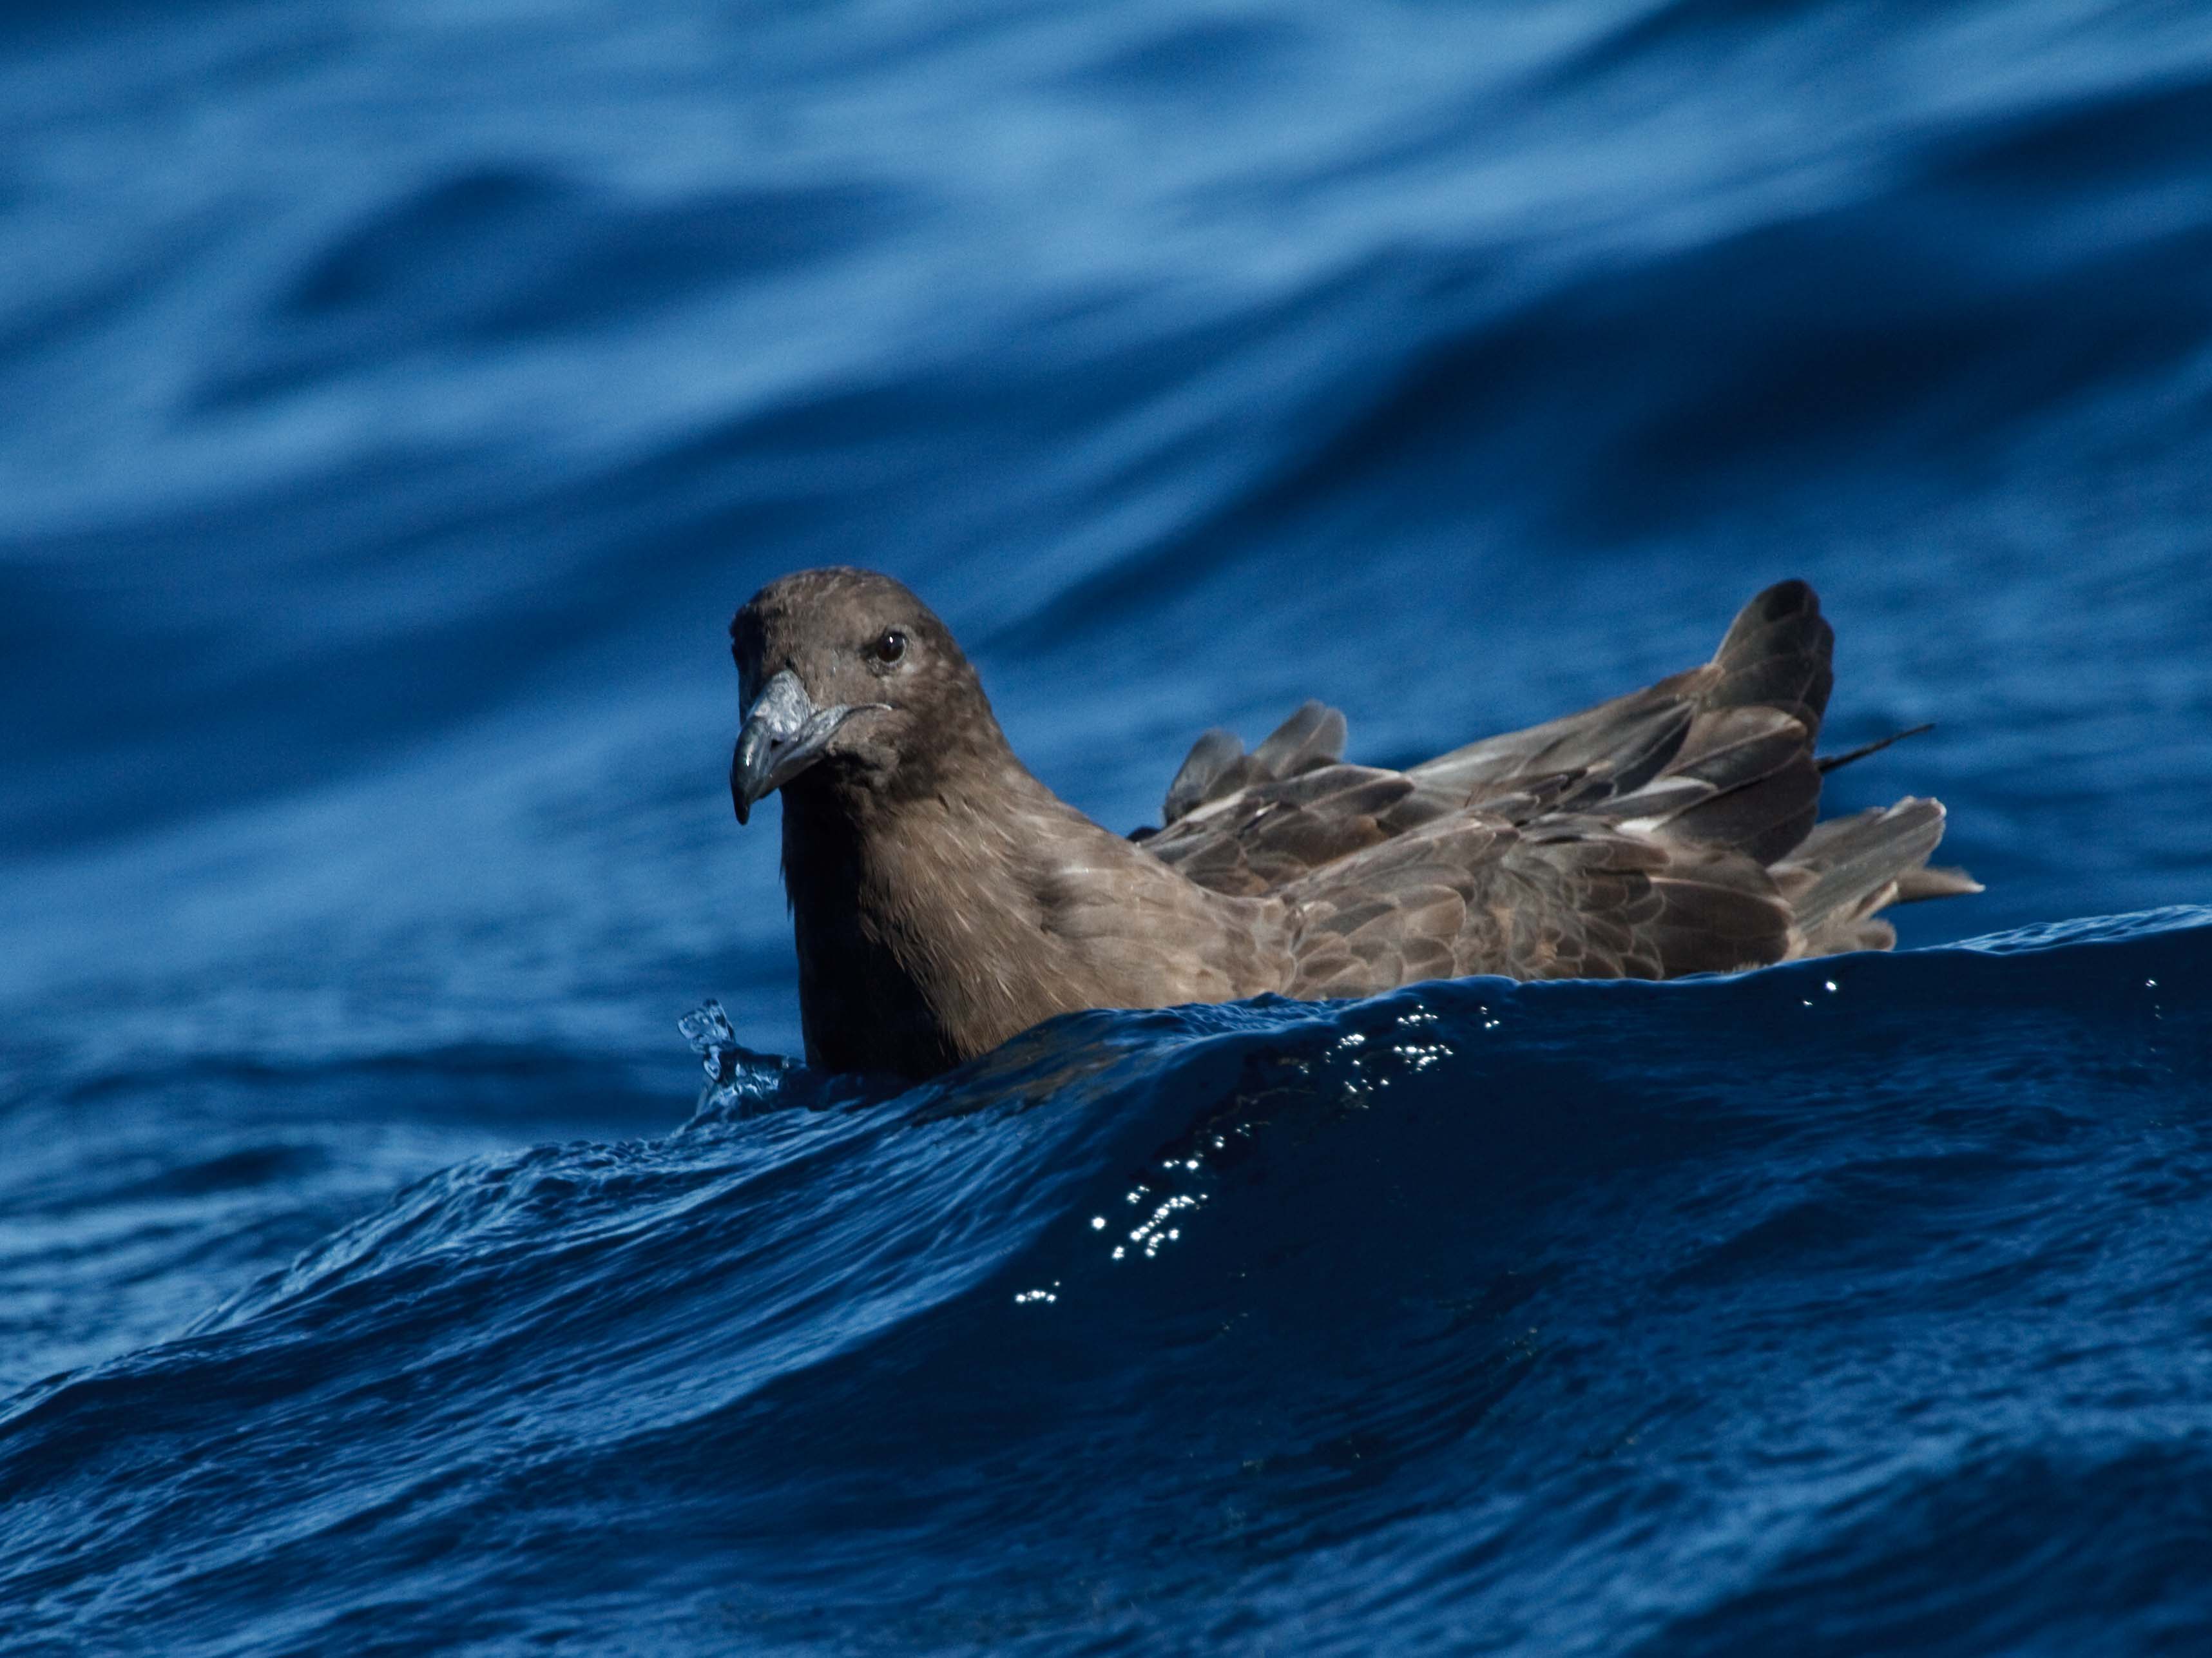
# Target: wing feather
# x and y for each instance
(1669, 831)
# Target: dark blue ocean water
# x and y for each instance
(395, 401)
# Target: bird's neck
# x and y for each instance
(919, 917)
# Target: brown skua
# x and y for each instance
(943, 899)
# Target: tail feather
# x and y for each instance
(1850, 868)
(1940, 881)
(1836, 762)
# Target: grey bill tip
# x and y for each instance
(784, 733)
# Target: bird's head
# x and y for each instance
(845, 673)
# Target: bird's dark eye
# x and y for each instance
(889, 646)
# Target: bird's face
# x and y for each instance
(842, 669)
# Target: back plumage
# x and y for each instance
(1669, 831)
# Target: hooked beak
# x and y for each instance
(784, 733)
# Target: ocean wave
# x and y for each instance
(1726, 1288)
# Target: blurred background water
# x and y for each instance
(395, 400)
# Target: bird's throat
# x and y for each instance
(911, 919)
